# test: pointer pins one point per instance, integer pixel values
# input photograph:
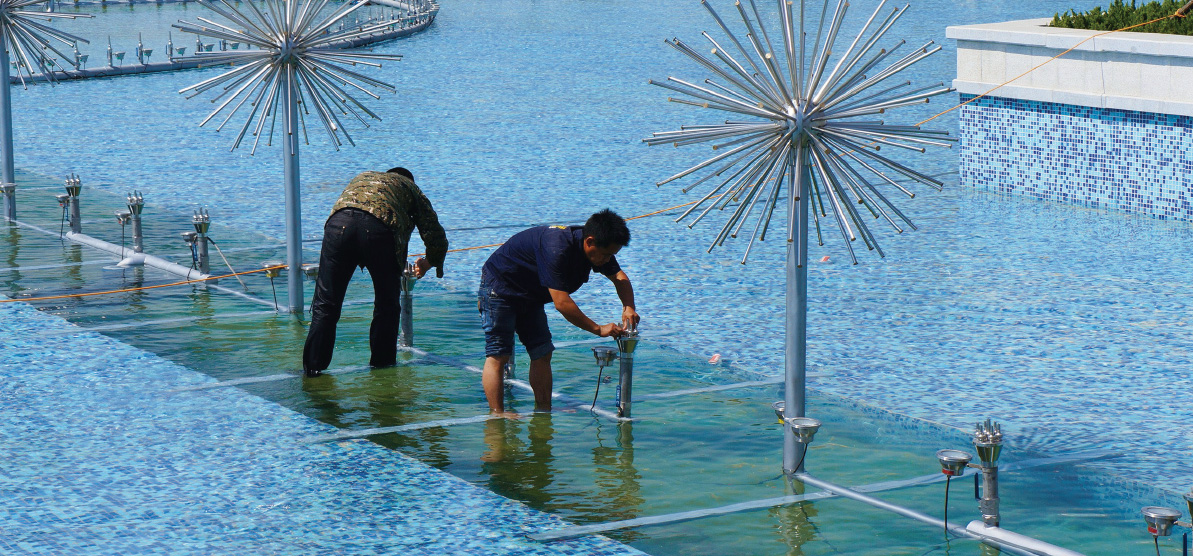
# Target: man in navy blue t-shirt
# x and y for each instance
(546, 264)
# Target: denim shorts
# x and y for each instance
(501, 318)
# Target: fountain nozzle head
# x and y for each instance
(987, 440)
(628, 342)
(74, 185)
(201, 220)
(136, 203)
(1160, 520)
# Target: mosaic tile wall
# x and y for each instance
(1102, 158)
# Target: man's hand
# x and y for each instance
(630, 318)
(611, 329)
(421, 266)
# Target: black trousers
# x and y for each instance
(354, 238)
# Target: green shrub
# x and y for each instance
(1121, 15)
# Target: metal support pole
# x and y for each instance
(988, 443)
(74, 186)
(76, 219)
(136, 203)
(795, 354)
(293, 202)
(625, 376)
(406, 329)
(7, 169)
(9, 192)
(201, 220)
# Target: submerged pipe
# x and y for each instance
(406, 320)
(625, 376)
(994, 536)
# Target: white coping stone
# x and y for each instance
(1147, 72)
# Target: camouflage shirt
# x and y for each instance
(401, 205)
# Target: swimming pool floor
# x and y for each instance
(105, 455)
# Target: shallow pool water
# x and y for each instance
(514, 113)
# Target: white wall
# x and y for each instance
(1148, 72)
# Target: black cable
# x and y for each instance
(947, 480)
(801, 456)
(598, 388)
(1156, 540)
(62, 223)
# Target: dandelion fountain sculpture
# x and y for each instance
(30, 43)
(796, 125)
(294, 69)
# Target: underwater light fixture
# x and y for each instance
(953, 462)
(803, 428)
(603, 355)
(802, 122)
(297, 68)
(1160, 520)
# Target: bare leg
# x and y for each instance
(540, 381)
(494, 382)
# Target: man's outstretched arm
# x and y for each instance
(570, 311)
(625, 292)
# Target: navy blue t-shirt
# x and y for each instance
(543, 257)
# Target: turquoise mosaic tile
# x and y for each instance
(104, 456)
(1097, 157)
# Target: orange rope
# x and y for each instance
(1178, 13)
(141, 287)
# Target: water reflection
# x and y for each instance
(520, 463)
(12, 243)
(382, 397)
(794, 525)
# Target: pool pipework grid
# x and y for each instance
(105, 456)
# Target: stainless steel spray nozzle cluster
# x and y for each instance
(201, 220)
(136, 203)
(987, 440)
(74, 185)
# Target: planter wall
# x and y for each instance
(1109, 125)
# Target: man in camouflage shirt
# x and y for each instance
(370, 227)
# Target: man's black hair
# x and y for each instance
(607, 228)
(401, 172)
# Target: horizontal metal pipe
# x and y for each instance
(1001, 543)
(583, 530)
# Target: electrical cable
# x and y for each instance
(230, 269)
(598, 388)
(62, 223)
(947, 481)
